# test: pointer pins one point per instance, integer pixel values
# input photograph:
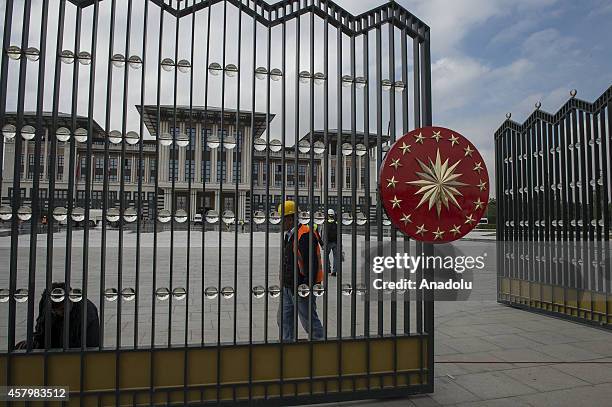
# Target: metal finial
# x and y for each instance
(508, 115)
(573, 93)
(538, 105)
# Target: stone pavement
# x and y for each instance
(562, 363)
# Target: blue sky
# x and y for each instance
(496, 56)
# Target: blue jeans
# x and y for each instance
(287, 311)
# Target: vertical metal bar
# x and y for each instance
(16, 197)
(268, 177)
(338, 266)
(428, 248)
(90, 128)
(105, 190)
(368, 198)
(141, 170)
(295, 177)
(354, 180)
(584, 181)
(310, 185)
(203, 174)
(392, 127)
(221, 152)
(72, 181)
(6, 42)
(326, 169)
(158, 168)
(251, 223)
(283, 190)
(35, 201)
(405, 128)
(174, 174)
(238, 167)
(605, 141)
(379, 130)
(193, 145)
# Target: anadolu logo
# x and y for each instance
(434, 185)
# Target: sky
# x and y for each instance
(489, 57)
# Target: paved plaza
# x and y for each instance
(487, 354)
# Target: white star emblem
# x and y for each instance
(455, 230)
(395, 163)
(478, 204)
(469, 219)
(395, 202)
(405, 147)
(436, 136)
(453, 139)
(481, 185)
(419, 138)
(468, 151)
(478, 167)
(391, 182)
(406, 219)
(421, 230)
(438, 234)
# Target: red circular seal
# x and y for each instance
(434, 185)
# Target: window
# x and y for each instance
(302, 175)
(348, 177)
(22, 193)
(61, 194)
(346, 200)
(30, 166)
(255, 174)
(315, 179)
(152, 170)
(127, 170)
(205, 170)
(190, 170)
(205, 136)
(99, 170)
(333, 176)
(221, 171)
(21, 164)
(192, 139)
(228, 203)
(363, 174)
(60, 167)
(332, 201)
(290, 175)
(139, 164)
(278, 175)
(82, 169)
(236, 171)
(112, 169)
(173, 166)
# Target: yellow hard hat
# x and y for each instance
(289, 208)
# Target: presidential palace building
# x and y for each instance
(192, 166)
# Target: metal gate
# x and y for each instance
(147, 146)
(553, 211)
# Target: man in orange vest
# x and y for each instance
(303, 256)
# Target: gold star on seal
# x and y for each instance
(478, 167)
(405, 147)
(419, 138)
(478, 204)
(391, 182)
(468, 151)
(395, 163)
(455, 230)
(406, 219)
(469, 219)
(421, 230)
(438, 234)
(438, 183)
(436, 136)
(481, 185)
(395, 202)
(454, 140)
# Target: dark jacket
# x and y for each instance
(288, 264)
(331, 231)
(75, 323)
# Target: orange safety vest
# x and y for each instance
(303, 229)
